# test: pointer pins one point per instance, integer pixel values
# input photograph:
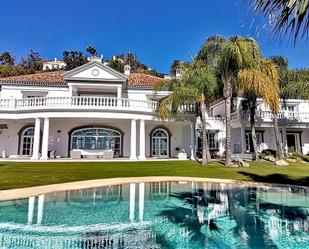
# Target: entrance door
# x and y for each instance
(160, 143)
(27, 138)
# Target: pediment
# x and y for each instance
(94, 71)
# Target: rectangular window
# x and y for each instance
(212, 141)
(249, 142)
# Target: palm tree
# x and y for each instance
(289, 16)
(91, 50)
(198, 84)
(249, 105)
(262, 81)
(228, 56)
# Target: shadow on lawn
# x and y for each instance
(3, 165)
(277, 178)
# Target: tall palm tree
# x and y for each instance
(249, 105)
(261, 81)
(289, 16)
(228, 56)
(198, 84)
(91, 50)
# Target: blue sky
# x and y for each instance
(157, 31)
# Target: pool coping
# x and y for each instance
(20, 193)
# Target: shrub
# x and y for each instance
(268, 152)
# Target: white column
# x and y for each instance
(133, 140)
(36, 140)
(243, 139)
(40, 209)
(192, 146)
(31, 209)
(132, 201)
(141, 199)
(142, 143)
(284, 142)
(45, 139)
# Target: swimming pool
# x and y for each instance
(160, 215)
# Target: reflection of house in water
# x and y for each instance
(132, 215)
(292, 217)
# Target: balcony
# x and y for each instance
(84, 103)
(267, 116)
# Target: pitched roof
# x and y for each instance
(143, 80)
(55, 78)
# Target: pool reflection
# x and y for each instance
(159, 215)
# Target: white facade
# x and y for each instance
(293, 124)
(92, 110)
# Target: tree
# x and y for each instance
(198, 84)
(175, 66)
(91, 50)
(74, 59)
(261, 81)
(228, 56)
(33, 62)
(116, 64)
(6, 58)
(296, 84)
(132, 60)
(290, 17)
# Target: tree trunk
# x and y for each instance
(228, 148)
(253, 134)
(278, 137)
(205, 153)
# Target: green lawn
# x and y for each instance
(21, 174)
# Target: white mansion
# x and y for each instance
(94, 111)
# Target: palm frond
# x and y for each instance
(262, 82)
(289, 16)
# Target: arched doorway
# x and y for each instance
(96, 139)
(160, 143)
(26, 141)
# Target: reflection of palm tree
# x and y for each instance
(191, 217)
(247, 212)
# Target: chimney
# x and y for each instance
(127, 70)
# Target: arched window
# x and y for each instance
(26, 138)
(160, 143)
(97, 139)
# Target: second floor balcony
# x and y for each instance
(84, 103)
(267, 116)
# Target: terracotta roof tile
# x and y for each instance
(143, 80)
(54, 78)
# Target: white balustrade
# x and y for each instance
(267, 116)
(83, 102)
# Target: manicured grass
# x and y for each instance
(26, 174)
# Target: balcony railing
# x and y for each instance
(81, 103)
(267, 116)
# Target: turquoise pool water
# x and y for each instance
(155, 215)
